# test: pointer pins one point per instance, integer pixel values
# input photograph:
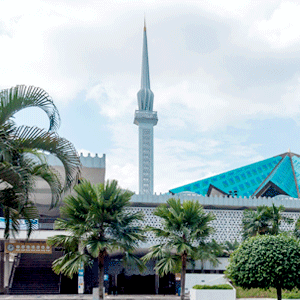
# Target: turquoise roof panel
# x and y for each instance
(296, 164)
(283, 177)
(244, 180)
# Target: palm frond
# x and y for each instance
(69, 243)
(156, 252)
(130, 259)
(70, 263)
(19, 97)
(53, 179)
(36, 138)
(169, 263)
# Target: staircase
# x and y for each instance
(34, 275)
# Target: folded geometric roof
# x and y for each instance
(270, 177)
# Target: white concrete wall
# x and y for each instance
(209, 279)
(213, 294)
(209, 266)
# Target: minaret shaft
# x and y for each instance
(145, 118)
(146, 158)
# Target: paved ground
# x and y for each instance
(90, 297)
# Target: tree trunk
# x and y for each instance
(278, 288)
(101, 257)
(183, 271)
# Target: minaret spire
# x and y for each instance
(145, 95)
(146, 119)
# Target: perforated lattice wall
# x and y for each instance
(227, 224)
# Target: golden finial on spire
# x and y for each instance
(144, 22)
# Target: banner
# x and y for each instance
(22, 224)
(81, 279)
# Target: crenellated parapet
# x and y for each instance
(92, 162)
(291, 204)
(86, 161)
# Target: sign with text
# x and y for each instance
(27, 247)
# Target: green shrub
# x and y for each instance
(262, 293)
(213, 287)
(292, 296)
(266, 261)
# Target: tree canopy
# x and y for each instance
(266, 261)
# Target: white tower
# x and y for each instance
(145, 118)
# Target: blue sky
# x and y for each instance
(225, 77)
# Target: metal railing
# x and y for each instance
(13, 269)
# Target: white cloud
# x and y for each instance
(113, 103)
(122, 158)
(92, 50)
(281, 30)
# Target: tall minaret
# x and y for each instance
(145, 118)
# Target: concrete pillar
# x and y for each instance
(6, 270)
(156, 284)
(2, 271)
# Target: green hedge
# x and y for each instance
(213, 287)
(262, 293)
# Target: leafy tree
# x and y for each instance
(22, 159)
(98, 223)
(266, 261)
(184, 228)
(265, 220)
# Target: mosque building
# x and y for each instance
(274, 180)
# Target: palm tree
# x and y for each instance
(22, 159)
(97, 223)
(276, 217)
(229, 247)
(210, 252)
(296, 230)
(255, 222)
(265, 220)
(184, 228)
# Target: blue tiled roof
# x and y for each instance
(251, 179)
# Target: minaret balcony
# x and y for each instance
(144, 116)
